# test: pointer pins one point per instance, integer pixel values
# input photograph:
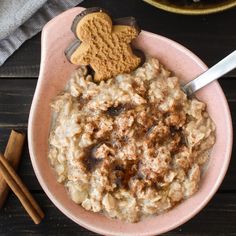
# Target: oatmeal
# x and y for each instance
(132, 146)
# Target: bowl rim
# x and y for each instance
(191, 11)
(207, 198)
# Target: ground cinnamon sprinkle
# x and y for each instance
(135, 147)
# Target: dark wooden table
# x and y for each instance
(210, 37)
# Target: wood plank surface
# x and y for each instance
(211, 37)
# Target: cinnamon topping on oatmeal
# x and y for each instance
(132, 146)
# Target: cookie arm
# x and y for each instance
(81, 55)
(125, 33)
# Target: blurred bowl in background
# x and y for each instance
(193, 7)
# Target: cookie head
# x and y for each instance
(93, 25)
(103, 46)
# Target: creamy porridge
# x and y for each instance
(132, 146)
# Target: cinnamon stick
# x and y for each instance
(12, 154)
(20, 191)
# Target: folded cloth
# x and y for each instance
(14, 13)
(21, 20)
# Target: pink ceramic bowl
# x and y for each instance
(54, 73)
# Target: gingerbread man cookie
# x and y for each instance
(102, 45)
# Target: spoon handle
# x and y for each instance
(221, 68)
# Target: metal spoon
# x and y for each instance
(221, 68)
